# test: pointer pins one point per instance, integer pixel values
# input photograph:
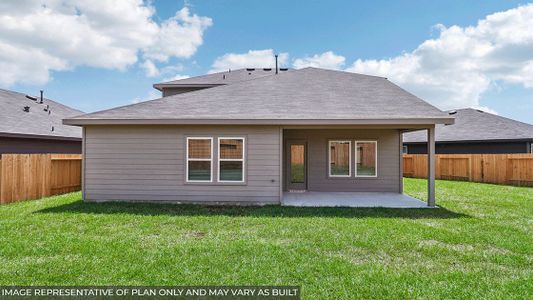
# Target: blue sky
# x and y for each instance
(375, 32)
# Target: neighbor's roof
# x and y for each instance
(305, 96)
(14, 121)
(220, 78)
(475, 125)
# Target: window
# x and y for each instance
(199, 159)
(340, 160)
(230, 159)
(366, 161)
(404, 149)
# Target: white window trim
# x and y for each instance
(187, 159)
(349, 158)
(232, 159)
(357, 159)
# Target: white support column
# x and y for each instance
(431, 166)
(400, 141)
(83, 160)
(281, 162)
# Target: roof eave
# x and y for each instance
(509, 140)
(405, 121)
(161, 86)
(38, 136)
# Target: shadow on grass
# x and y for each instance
(148, 209)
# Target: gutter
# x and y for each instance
(406, 121)
(161, 86)
(41, 137)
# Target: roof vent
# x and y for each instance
(283, 69)
(26, 109)
(250, 69)
(267, 69)
(224, 76)
(41, 96)
(52, 128)
(31, 97)
(46, 107)
(480, 110)
(452, 112)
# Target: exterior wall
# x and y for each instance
(388, 163)
(174, 91)
(147, 163)
(471, 148)
(32, 145)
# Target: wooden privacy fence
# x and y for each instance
(33, 176)
(511, 169)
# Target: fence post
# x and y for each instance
(431, 166)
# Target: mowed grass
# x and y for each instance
(479, 244)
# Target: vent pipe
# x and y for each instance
(276, 56)
(41, 96)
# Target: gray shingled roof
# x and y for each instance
(15, 121)
(220, 78)
(305, 94)
(475, 125)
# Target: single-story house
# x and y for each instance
(33, 124)
(474, 132)
(299, 134)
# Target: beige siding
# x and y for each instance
(388, 179)
(179, 90)
(147, 163)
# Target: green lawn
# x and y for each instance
(479, 244)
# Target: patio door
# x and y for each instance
(296, 165)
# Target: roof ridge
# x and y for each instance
(500, 117)
(344, 72)
(210, 74)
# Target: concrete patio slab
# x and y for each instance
(351, 199)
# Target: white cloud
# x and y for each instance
(151, 95)
(179, 36)
(326, 60)
(150, 68)
(456, 68)
(251, 59)
(39, 36)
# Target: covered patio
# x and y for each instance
(350, 167)
(351, 199)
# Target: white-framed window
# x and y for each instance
(199, 166)
(340, 158)
(366, 159)
(231, 159)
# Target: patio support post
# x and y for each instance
(431, 166)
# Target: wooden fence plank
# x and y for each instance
(34, 176)
(512, 169)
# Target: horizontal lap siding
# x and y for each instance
(388, 162)
(147, 163)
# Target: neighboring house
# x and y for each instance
(252, 141)
(31, 124)
(475, 131)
